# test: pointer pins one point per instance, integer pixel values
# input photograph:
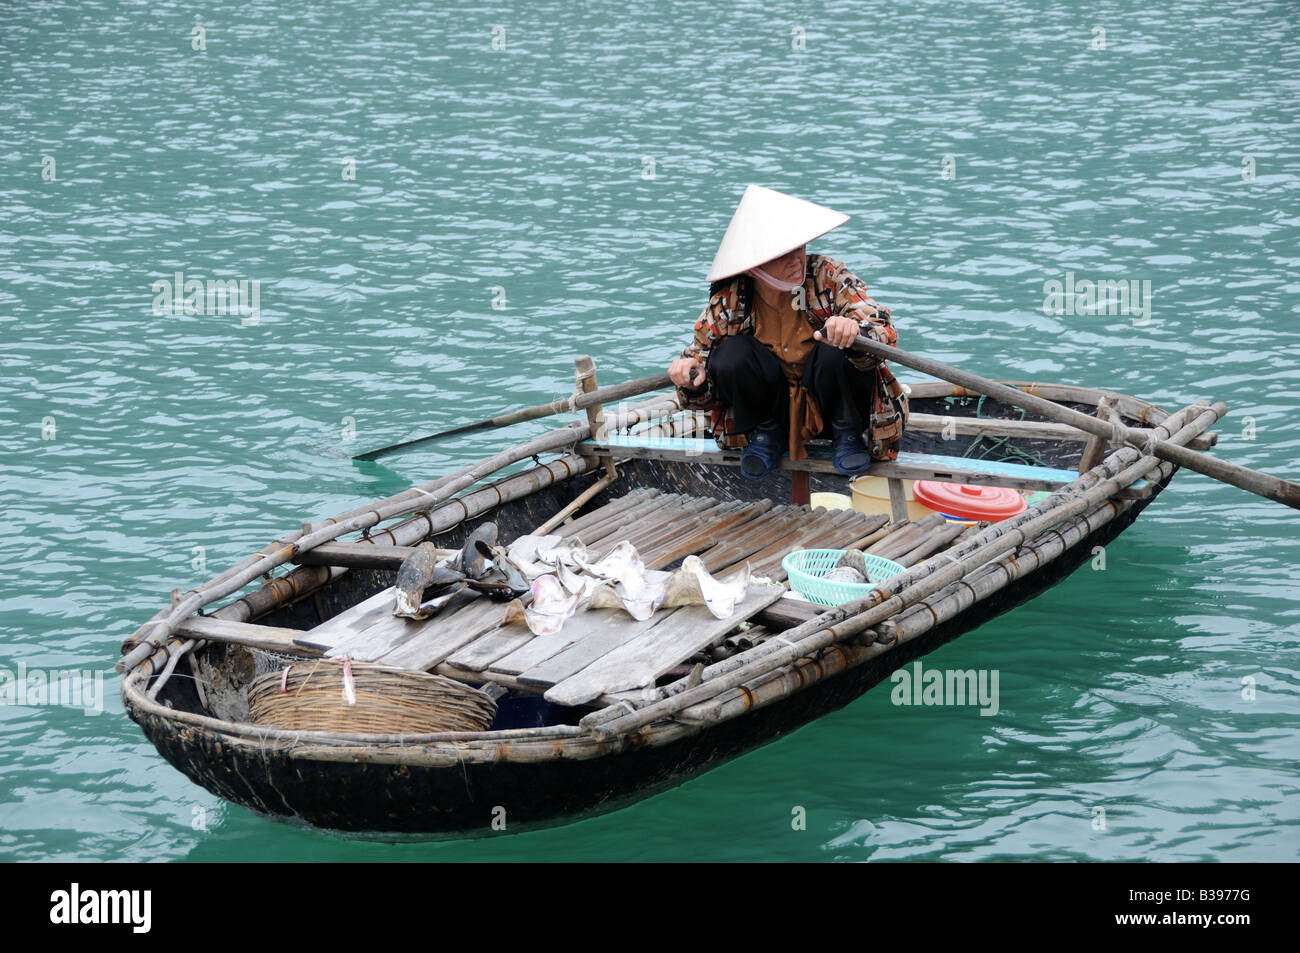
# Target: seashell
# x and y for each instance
(551, 606)
(692, 584)
(619, 560)
(846, 574)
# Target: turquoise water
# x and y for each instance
(586, 172)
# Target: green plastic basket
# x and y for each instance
(805, 567)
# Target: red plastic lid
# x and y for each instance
(970, 502)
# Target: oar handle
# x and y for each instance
(1262, 484)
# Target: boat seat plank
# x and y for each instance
(908, 466)
(637, 663)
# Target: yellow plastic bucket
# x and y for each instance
(871, 495)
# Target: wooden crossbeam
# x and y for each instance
(269, 637)
(909, 466)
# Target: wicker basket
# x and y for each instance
(388, 701)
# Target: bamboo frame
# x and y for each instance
(908, 589)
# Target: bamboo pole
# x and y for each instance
(904, 591)
(918, 422)
(1094, 451)
(1261, 484)
(577, 503)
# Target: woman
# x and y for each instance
(768, 358)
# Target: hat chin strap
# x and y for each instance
(773, 282)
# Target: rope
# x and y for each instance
(980, 449)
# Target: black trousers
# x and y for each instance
(747, 377)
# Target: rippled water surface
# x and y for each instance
(586, 172)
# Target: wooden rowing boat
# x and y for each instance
(611, 711)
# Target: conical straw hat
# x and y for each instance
(766, 225)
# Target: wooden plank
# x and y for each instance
(584, 624)
(637, 663)
(491, 645)
(369, 645)
(269, 637)
(442, 637)
(800, 493)
(361, 555)
(787, 613)
(609, 629)
(354, 619)
(897, 500)
(909, 466)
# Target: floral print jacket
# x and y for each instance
(829, 289)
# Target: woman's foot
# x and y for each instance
(766, 447)
(849, 452)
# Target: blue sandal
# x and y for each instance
(764, 453)
(849, 452)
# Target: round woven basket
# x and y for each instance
(388, 701)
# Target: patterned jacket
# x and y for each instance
(829, 289)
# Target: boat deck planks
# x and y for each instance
(669, 642)
(665, 528)
(442, 636)
(584, 627)
(601, 632)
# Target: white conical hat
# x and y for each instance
(766, 225)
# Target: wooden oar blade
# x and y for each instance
(382, 451)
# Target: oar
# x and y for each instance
(601, 395)
(1270, 487)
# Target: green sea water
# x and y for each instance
(443, 202)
